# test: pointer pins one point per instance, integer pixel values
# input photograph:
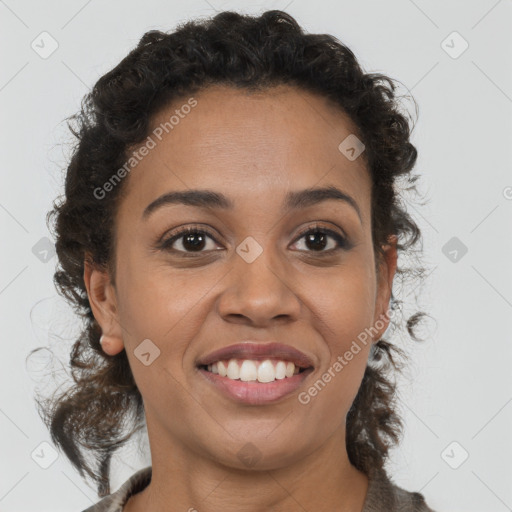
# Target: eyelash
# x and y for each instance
(167, 243)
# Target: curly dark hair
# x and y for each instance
(103, 407)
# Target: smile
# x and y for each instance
(255, 382)
(248, 370)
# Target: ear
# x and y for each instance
(103, 301)
(387, 269)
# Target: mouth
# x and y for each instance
(256, 373)
(251, 370)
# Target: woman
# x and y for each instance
(230, 232)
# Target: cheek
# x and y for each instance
(167, 307)
(343, 311)
(157, 299)
(344, 306)
(343, 316)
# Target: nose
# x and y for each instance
(259, 293)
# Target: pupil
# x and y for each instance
(314, 237)
(194, 245)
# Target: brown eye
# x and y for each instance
(190, 239)
(317, 239)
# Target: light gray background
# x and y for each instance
(458, 386)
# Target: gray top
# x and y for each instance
(382, 495)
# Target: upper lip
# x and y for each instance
(258, 351)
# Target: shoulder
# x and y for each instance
(115, 502)
(383, 494)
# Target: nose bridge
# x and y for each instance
(257, 287)
(257, 266)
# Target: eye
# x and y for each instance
(191, 239)
(317, 239)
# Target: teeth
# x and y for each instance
(248, 370)
(280, 370)
(233, 370)
(266, 371)
(223, 371)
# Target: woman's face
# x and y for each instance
(254, 278)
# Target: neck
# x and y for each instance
(183, 480)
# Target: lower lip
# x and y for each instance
(254, 392)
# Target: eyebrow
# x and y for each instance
(210, 199)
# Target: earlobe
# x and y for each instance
(103, 302)
(110, 346)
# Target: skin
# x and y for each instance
(254, 148)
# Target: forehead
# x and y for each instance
(248, 144)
